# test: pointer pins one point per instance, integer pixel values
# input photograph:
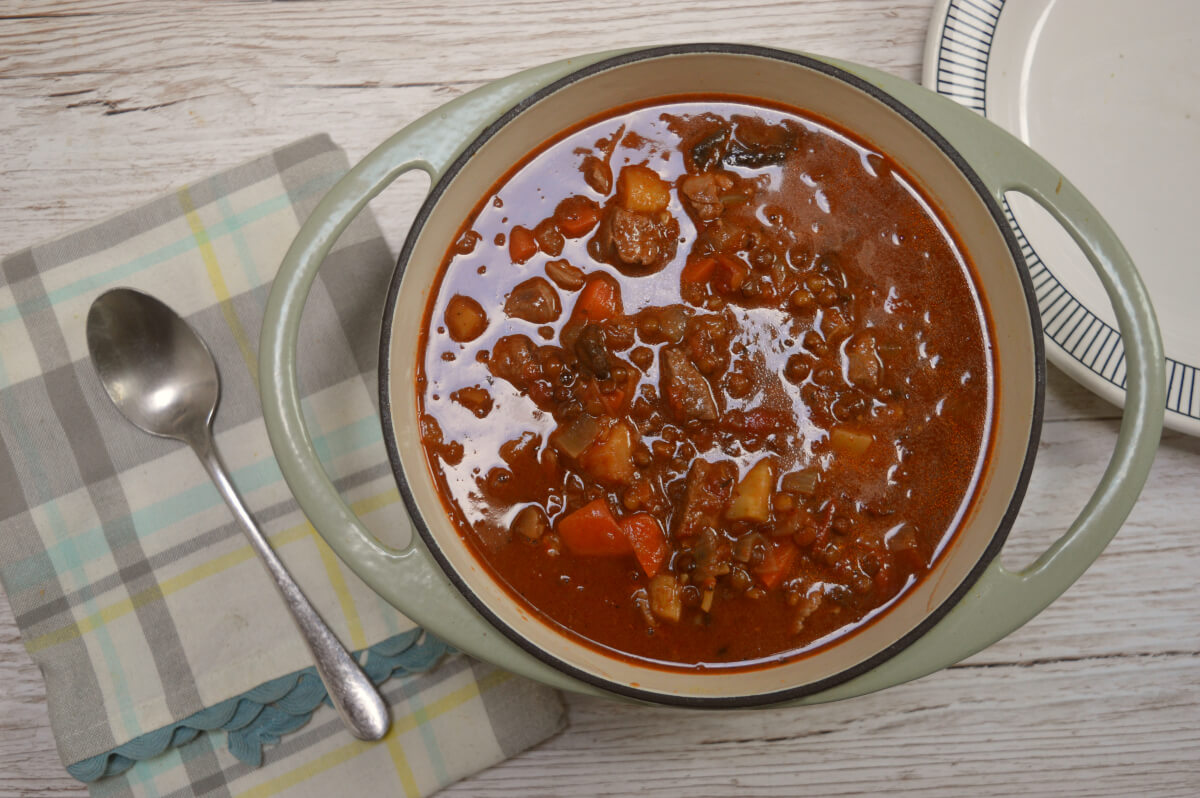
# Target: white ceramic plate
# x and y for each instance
(1109, 92)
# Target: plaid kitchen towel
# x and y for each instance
(171, 665)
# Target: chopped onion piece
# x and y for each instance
(744, 547)
(666, 598)
(576, 436)
(803, 482)
(806, 607)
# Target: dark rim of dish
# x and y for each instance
(732, 701)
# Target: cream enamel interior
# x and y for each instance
(873, 122)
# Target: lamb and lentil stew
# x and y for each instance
(706, 382)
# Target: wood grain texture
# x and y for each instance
(105, 104)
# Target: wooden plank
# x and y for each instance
(1123, 727)
(161, 93)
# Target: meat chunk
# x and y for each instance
(636, 243)
(863, 365)
(534, 300)
(705, 495)
(750, 143)
(592, 351)
(514, 358)
(707, 341)
(703, 193)
(521, 244)
(597, 174)
(712, 556)
(451, 452)
(564, 275)
(474, 398)
(756, 143)
(688, 394)
(548, 238)
(707, 153)
(805, 607)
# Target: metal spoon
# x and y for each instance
(162, 377)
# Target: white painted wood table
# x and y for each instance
(105, 104)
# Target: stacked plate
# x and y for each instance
(1108, 92)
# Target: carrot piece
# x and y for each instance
(725, 273)
(729, 274)
(698, 270)
(780, 559)
(591, 531)
(576, 216)
(616, 400)
(521, 244)
(648, 541)
(600, 299)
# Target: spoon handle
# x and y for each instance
(353, 695)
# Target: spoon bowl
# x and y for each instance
(162, 377)
(156, 369)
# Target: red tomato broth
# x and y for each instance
(905, 280)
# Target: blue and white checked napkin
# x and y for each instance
(171, 665)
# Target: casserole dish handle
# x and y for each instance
(408, 577)
(1001, 601)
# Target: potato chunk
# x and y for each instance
(751, 499)
(850, 442)
(687, 393)
(534, 300)
(610, 459)
(465, 319)
(640, 189)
